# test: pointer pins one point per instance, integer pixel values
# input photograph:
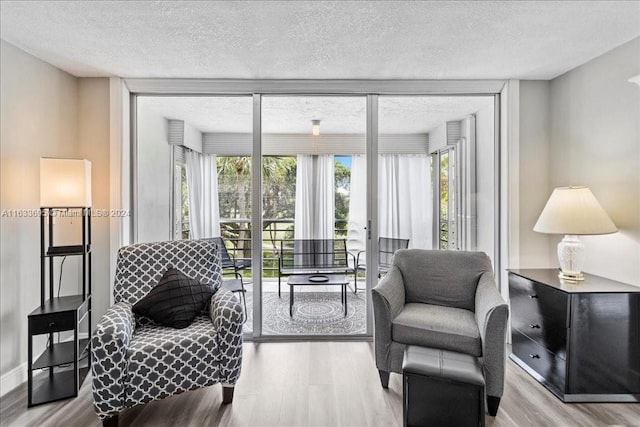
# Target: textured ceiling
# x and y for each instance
(338, 115)
(324, 40)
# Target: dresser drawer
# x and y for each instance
(549, 333)
(549, 366)
(54, 322)
(534, 301)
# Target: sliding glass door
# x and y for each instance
(310, 147)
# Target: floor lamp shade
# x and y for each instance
(65, 183)
(573, 211)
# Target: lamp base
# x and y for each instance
(571, 277)
(571, 258)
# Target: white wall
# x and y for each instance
(438, 138)
(45, 113)
(39, 110)
(93, 144)
(485, 181)
(153, 168)
(534, 170)
(192, 138)
(595, 141)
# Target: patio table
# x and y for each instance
(315, 280)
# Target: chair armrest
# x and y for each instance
(492, 314)
(391, 289)
(355, 255)
(109, 343)
(226, 314)
(388, 299)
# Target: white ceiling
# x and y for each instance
(338, 115)
(321, 39)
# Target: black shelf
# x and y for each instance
(59, 354)
(60, 304)
(58, 372)
(55, 251)
(50, 388)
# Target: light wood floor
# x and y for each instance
(312, 384)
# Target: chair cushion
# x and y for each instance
(446, 328)
(447, 278)
(164, 361)
(175, 301)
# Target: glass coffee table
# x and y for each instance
(331, 279)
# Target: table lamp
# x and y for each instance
(573, 211)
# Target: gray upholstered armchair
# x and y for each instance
(136, 360)
(446, 300)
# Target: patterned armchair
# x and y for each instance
(136, 360)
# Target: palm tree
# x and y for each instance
(235, 174)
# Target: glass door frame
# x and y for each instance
(256, 88)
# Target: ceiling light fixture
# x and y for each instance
(315, 127)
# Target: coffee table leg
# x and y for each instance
(291, 301)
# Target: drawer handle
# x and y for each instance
(533, 296)
(534, 356)
(52, 324)
(534, 326)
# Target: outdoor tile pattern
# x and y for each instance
(135, 362)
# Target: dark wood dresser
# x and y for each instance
(582, 342)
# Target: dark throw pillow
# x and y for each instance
(175, 301)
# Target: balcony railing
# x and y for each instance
(237, 236)
(446, 233)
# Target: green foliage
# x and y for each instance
(184, 195)
(343, 184)
(278, 187)
(444, 186)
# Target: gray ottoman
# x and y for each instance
(442, 388)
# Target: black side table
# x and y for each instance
(67, 362)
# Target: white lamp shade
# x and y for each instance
(574, 211)
(65, 183)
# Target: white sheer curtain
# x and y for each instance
(303, 221)
(404, 200)
(202, 185)
(325, 197)
(210, 207)
(389, 197)
(315, 197)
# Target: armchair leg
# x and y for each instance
(110, 422)
(384, 378)
(492, 405)
(227, 394)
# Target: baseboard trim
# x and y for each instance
(13, 379)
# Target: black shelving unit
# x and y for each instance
(58, 372)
